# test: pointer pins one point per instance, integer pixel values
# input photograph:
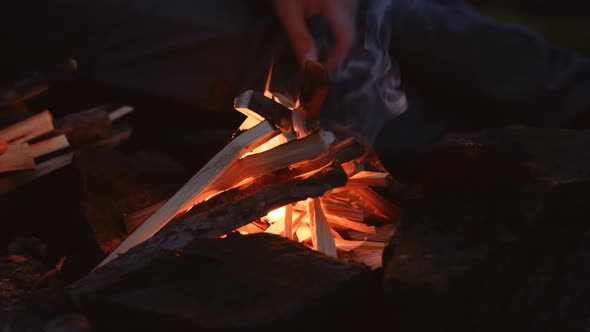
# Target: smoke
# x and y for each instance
(364, 92)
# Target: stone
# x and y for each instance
(498, 238)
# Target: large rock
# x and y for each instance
(499, 239)
(252, 281)
(115, 184)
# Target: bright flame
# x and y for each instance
(276, 215)
(267, 92)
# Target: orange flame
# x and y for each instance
(267, 92)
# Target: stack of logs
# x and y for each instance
(319, 190)
(38, 145)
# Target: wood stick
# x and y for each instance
(49, 145)
(10, 182)
(282, 156)
(347, 245)
(250, 122)
(303, 232)
(340, 222)
(119, 135)
(355, 166)
(345, 211)
(17, 157)
(256, 105)
(383, 233)
(279, 226)
(192, 191)
(321, 237)
(338, 152)
(32, 127)
(120, 112)
(288, 228)
(133, 220)
(349, 212)
(379, 204)
(369, 179)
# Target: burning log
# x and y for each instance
(369, 179)
(211, 223)
(262, 163)
(192, 192)
(339, 152)
(322, 239)
(257, 106)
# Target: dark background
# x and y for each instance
(564, 23)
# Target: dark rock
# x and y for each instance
(252, 281)
(498, 239)
(32, 296)
(115, 184)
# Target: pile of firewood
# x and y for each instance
(277, 150)
(39, 145)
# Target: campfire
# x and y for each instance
(280, 147)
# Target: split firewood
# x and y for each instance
(16, 157)
(28, 129)
(340, 222)
(119, 134)
(288, 221)
(192, 192)
(12, 181)
(348, 212)
(90, 125)
(20, 156)
(49, 145)
(303, 232)
(339, 152)
(382, 233)
(250, 122)
(369, 179)
(256, 105)
(347, 245)
(379, 204)
(369, 253)
(211, 223)
(133, 220)
(356, 166)
(282, 156)
(374, 205)
(321, 237)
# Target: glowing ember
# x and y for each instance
(276, 215)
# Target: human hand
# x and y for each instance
(340, 16)
(3, 146)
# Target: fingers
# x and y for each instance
(3, 146)
(342, 24)
(292, 16)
